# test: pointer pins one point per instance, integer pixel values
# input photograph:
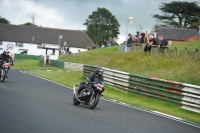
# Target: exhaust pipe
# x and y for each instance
(74, 90)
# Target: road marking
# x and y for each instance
(131, 106)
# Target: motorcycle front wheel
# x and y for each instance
(75, 101)
(3, 75)
(94, 101)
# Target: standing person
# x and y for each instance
(146, 37)
(162, 41)
(155, 34)
(199, 33)
(109, 41)
(129, 42)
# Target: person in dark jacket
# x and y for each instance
(150, 37)
(97, 74)
(5, 57)
(162, 41)
(129, 42)
(147, 47)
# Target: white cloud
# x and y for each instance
(19, 12)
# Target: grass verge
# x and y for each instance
(152, 104)
(70, 78)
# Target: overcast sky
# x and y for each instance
(71, 14)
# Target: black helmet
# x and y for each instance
(99, 71)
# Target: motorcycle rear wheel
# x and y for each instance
(93, 103)
(75, 101)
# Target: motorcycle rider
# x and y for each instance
(6, 57)
(97, 74)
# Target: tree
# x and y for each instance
(28, 24)
(3, 20)
(101, 24)
(181, 14)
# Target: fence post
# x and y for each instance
(158, 51)
(175, 52)
(196, 54)
(185, 51)
(166, 50)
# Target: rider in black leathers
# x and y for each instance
(97, 74)
(6, 57)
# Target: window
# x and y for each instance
(19, 44)
(1, 43)
(39, 46)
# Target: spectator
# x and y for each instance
(67, 50)
(138, 37)
(162, 41)
(129, 42)
(150, 37)
(155, 34)
(199, 32)
(147, 47)
(108, 42)
(79, 51)
(142, 37)
(146, 37)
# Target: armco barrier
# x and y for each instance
(23, 56)
(41, 62)
(186, 96)
(57, 63)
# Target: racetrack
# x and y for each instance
(32, 105)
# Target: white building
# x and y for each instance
(41, 41)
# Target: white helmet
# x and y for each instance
(6, 52)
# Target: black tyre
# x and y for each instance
(3, 75)
(93, 103)
(75, 101)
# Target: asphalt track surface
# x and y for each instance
(29, 104)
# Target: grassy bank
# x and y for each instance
(138, 63)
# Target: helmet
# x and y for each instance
(6, 51)
(99, 71)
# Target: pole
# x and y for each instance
(59, 41)
(127, 28)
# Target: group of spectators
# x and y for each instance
(64, 50)
(149, 39)
(108, 43)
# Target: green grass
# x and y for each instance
(158, 66)
(76, 77)
(168, 108)
(24, 64)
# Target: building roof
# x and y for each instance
(177, 33)
(25, 34)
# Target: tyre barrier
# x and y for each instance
(183, 95)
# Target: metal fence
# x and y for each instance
(185, 96)
(166, 51)
(24, 56)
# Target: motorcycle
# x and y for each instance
(4, 70)
(89, 95)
